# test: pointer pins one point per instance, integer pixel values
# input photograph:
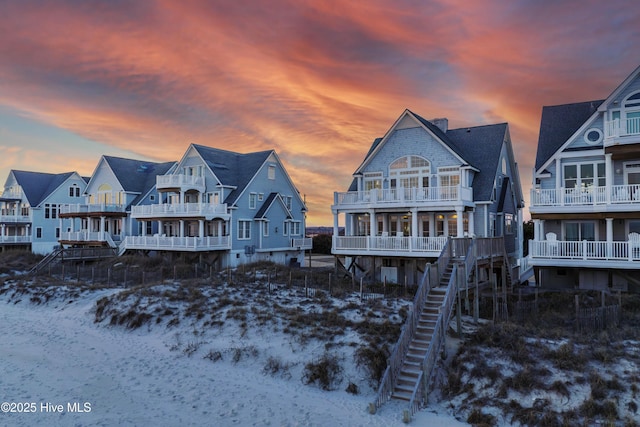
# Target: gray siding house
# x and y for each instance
(420, 184)
(585, 197)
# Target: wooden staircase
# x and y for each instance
(412, 367)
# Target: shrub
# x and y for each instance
(478, 418)
(373, 360)
(275, 366)
(326, 372)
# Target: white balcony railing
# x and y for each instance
(613, 195)
(622, 127)
(394, 244)
(302, 243)
(10, 217)
(179, 210)
(69, 209)
(401, 195)
(14, 195)
(179, 180)
(584, 250)
(85, 236)
(15, 239)
(177, 243)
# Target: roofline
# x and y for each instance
(605, 104)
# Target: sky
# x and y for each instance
(317, 81)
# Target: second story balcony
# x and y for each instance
(622, 131)
(180, 182)
(180, 210)
(589, 254)
(14, 216)
(174, 243)
(402, 197)
(81, 210)
(607, 198)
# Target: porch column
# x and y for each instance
(201, 228)
(2, 232)
(414, 222)
(459, 223)
(182, 228)
(102, 227)
(608, 174)
(472, 227)
(385, 222)
(372, 223)
(336, 226)
(609, 222)
(542, 234)
(144, 228)
(160, 227)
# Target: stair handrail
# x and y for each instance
(438, 337)
(45, 261)
(399, 352)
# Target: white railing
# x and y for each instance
(179, 180)
(615, 194)
(584, 250)
(179, 209)
(9, 217)
(177, 243)
(303, 243)
(400, 195)
(622, 127)
(399, 244)
(15, 239)
(84, 236)
(17, 195)
(90, 208)
(399, 351)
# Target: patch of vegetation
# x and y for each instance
(325, 372)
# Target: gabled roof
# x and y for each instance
(136, 176)
(558, 124)
(38, 185)
(478, 146)
(233, 169)
(273, 197)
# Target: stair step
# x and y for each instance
(401, 395)
(409, 372)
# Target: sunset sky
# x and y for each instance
(316, 81)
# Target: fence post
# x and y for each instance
(306, 289)
(330, 293)
(269, 282)
(109, 276)
(175, 272)
(290, 280)
(361, 295)
(577, 303)
(93, 274)
(78, 273)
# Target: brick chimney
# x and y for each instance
(442, 123)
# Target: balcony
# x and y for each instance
(15, 195)
(622, 131)
(593, 254)
(180, 182)
(388, 246)
(79, 237)
(11, 217)
(180, 210)
(81, 210)
(304, 243)
(188, 244)
(403, 197)
(586, 199)
(15, 239)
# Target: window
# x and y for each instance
(74, 191)
(409, 172)
(252, 200)
(372, 180)
(50, 211)
(508, 223)
(288, 201)
(271, 172)
(584, 175)
(449, 176)
(578, 231)
(260, 197)
(265, 228)
(38, 232)
(285, 228)
(244, 230)
(57, 232)
(295, 228)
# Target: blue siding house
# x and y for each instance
(30, 206)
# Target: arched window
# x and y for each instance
(104, 194)
(629, 114)
(409, 172)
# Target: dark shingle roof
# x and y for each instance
(267, 204)
(558, 123)
(38, 185)
(480, 146)
(137, 176)
(233, 169)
